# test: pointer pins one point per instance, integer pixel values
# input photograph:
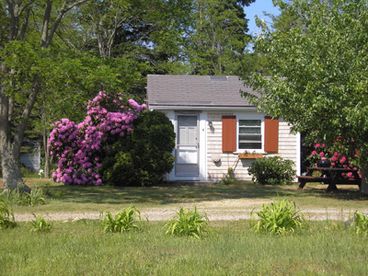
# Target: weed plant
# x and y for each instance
(39, 224)
(188, 223)
(6, 215)
(125, 220)
(279, 218)
(360, 223)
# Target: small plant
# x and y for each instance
(360, 223)
(39, 224)
(36, 197)
(279, 218)
(123, 221)
(6, 215)
(228, 178)
(272, 170)
(187, 223)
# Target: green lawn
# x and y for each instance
(76, 198)
(91, 198)
(231, 248)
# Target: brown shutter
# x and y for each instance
(271, 135)
(228, 133)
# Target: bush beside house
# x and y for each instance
(143, 157)
(272, 170)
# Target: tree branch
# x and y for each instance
(19, 134)
(45, 24)
(65, 8)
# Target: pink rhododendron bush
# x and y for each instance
(77, 147)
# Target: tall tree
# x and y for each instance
(219, 36)
(46, 19)
(318, 77)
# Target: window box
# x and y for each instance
(250, 155)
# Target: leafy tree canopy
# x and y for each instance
(318, 74)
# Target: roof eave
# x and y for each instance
(201, 107)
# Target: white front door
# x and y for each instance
(187, 146)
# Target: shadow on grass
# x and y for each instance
(183, 193)
(171, 193)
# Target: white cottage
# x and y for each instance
(215, 126)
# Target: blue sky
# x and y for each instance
(258, 8)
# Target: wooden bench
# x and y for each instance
(329, 176)
(303, 179)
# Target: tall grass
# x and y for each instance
(20, 198)
(232, 248)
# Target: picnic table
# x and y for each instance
(330, 176)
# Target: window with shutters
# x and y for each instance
(250, 134)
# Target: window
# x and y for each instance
(250, 134)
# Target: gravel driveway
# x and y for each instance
(220, 210)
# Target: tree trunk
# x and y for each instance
(46, 152)
(12, 175)
(364, 175)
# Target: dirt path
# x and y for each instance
(215, 210)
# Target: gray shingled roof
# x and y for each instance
(186, 90)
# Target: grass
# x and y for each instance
(107, 198)
(231, 248)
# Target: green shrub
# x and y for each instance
(187, 223)
(360, 223)
(279, 218)
(124, 221)
(18, 197)
(39, 224)
(143, 157)
(272, 170)
(6, 215)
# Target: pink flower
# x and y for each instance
(76, 147)
(322, 154)
(316, 146)
(314, 152)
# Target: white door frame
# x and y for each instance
(202, 135)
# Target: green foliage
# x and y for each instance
(143, 157)
(123, 221)
(218, 38)
(17, 197)
(280, 217)
(272, 170)
(317, 70)
(360, 223)
(228, 178)
(6, 215)
(39, 224)
(187, 223)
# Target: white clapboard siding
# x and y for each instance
(287, 150)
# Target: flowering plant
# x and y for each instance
(318, 153)
(77, 147)
(337, 154)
